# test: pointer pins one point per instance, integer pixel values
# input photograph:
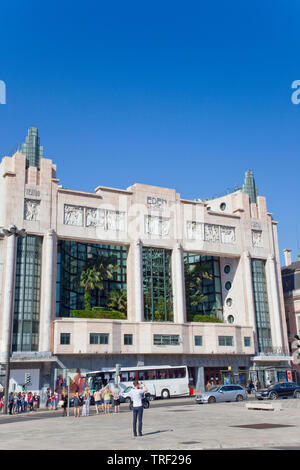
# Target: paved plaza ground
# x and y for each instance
(174, 424)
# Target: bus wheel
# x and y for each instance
(165, 393)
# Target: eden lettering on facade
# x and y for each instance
(156, 202)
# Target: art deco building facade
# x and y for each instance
(291, 289)
(156, 239)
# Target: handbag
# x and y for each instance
(61, 403)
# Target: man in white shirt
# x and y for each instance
(136, 396)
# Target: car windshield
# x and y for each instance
(127, 390)
(214, 389)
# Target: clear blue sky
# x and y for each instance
(187, 95)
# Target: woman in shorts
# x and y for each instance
(97, 399)
(106, 399)
(77, 403)
(116, 396)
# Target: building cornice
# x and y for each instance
(113, 190)
(79, 193)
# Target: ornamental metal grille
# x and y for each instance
(157, 281)
(27, 294)
(261, 305)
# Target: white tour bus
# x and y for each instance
(162, 381)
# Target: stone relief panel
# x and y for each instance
(95, 218)
(120, 221)
(73, 215)
(155, 225)
(212, 233)
(257, 240)
(227, 234)
(31, 209)
(91, 217)
(219, 234)
(194, 230)
(115, 220)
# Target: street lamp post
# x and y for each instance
(12, 233)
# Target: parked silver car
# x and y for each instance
(222, 393)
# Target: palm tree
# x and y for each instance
(106, 265)
(194, 275)
(118, 300)
(97, 270)
(90, 279)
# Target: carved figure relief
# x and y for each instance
(95, 218)
(31, 209)
(73, 215)
(257, 240)
(211, 233)
(155, 225)
(194, 230)
(227, 234)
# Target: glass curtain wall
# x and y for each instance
(264, 337)
(157, 282)
(72, 258)
(27, 294)
(202, 286)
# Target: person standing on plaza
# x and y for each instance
(116, 397)
(35, 401)
(64, 400)
(15, 409)
(19, 402)
(106, 398)
(136, 395)
(48, 395)
(102, 390)
(56, 399)
(10, 403)
(52, 401)
(208, 386)
(86, 402)
(77, 403)
(97, 399)
(30, 401)
(24, 402)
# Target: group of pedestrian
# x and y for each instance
(22, 402)
(51, 399)
(83, 401)
(102, 400)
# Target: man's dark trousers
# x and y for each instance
(138, 415)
